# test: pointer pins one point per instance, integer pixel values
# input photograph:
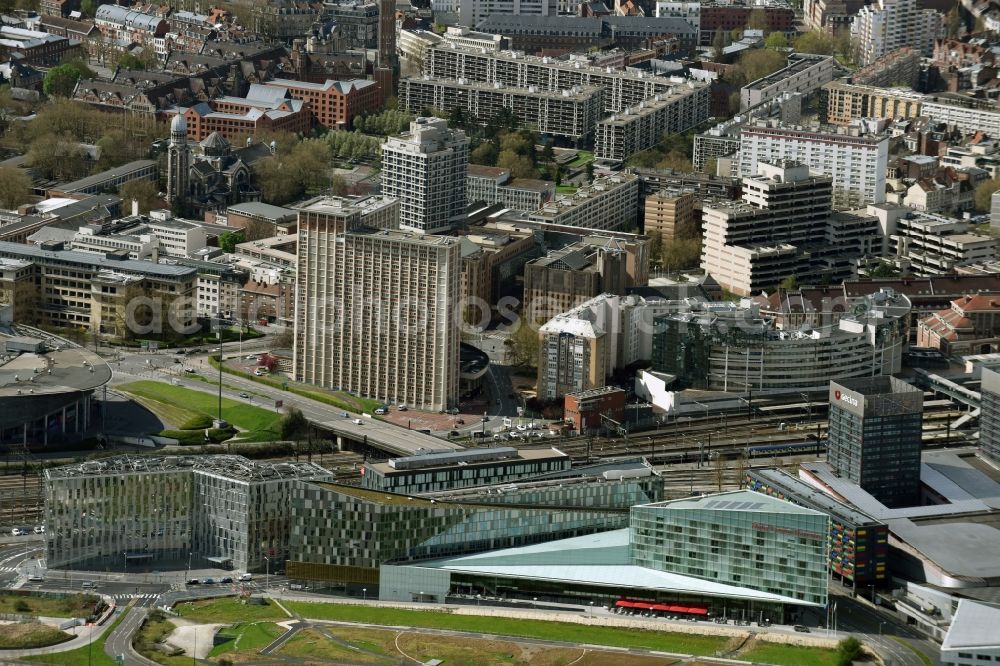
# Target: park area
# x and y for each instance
(366, 634)
(191, 412)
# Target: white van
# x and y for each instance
(16, 532)
(244, 578)
(357, 421)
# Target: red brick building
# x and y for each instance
(333, 104)
(730, 17)
(264, 109)
(970, 326)
(586, 408)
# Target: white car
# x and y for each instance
(16, 532)
(244, 578)
(522, 427)
(39, 529)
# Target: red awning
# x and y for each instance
(698, 610)
(662, 607)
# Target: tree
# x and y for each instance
(883, 270)
(711, 166)
(294, 426)
(758, 63)
(676, 161)
(757, 20)
(129, 61)
(789, 283)
(338, 186)
(816, 41)
(524, 344)
(953, 22)
(143, 191)
(656, 249)
(60, 81)
(229, 239)
(485, 153)
(57, 158)
(88, 7)
(682, 254)
(984, 193)
(268, 361)
(520, 165)
(776, 40)
(848, 650)
(719, 42)
(15, 187)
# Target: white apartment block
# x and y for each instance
(804, 73)
(570, 113)
(856, 162)
(643, 126)
(689, 11)
(464, 37)
(610, 203)
(968, 116)
(374, 306)
(887, 25)
(494, 185)
(927, 244)
(178, 238)
(472, 12)
(425, 169)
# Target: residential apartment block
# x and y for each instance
(122, 25)
(425, 169)
(642, 126)
(622, 89)
(856, 162)
(474, 12)
(887, 25)
(570, 113)
(374, 310)
(924, 244)
(966, 114)
(989, 419)
(670, 214)
(844, 104)
(608, 203)
(804, 73)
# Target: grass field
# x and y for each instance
(88, 655)
(582, 157)
(228, 609)
(789, 655)
(77, 605)
(311, 644)
(183, 404)
(246, 636)
(25, 635)
(566, 189)
(557, 631)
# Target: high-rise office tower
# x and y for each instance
(875, 437)
(386, 71)
(989, 417)
(425, 169)
(374, 305)
(178, 161)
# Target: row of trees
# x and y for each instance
(388, 122)
(303, 169)
(353, 145)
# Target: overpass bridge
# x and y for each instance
(378, 438)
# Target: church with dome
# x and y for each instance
(210, 175)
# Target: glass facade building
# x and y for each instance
(221, 510)
(858, 544)
(344, 534)
(875, 437)
(989, 418)
(740, 538)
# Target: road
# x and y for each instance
(879, 629)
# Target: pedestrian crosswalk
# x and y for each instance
(8, 569)
(126, 597)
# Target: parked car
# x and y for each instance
(381, 410)
(189, 370)
(402, 408)
(226, 579)
(16, 532)
(194, 581)
(802, 628)
(208, 581)
(39, 529)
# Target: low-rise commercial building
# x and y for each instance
(493, 185)
(264, 109)
(220, 510)
(571, 113)
(110, 180)
(970, 640)
(438, 471)
(333, 104)
(591, 410)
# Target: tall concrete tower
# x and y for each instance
(386, 71)
(178, 161)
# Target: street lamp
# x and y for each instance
(534, 602)
(267, 573)
(880, 625)
(364, 593)
(591, 609)
(189, 565)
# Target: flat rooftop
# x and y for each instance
(440, 460)
(386, 436)
(737, 500)
(61, 369)
(811, 496)
(236, 468)
(973, 627)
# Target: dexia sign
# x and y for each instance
(843, 397)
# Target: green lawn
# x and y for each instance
(76, 605)
(246, 636)
(566, 189)
(789, 655)
(260, 423)
(582, 157)
(88, 655)
(557, 631)
(26, 635)
(228, 609)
